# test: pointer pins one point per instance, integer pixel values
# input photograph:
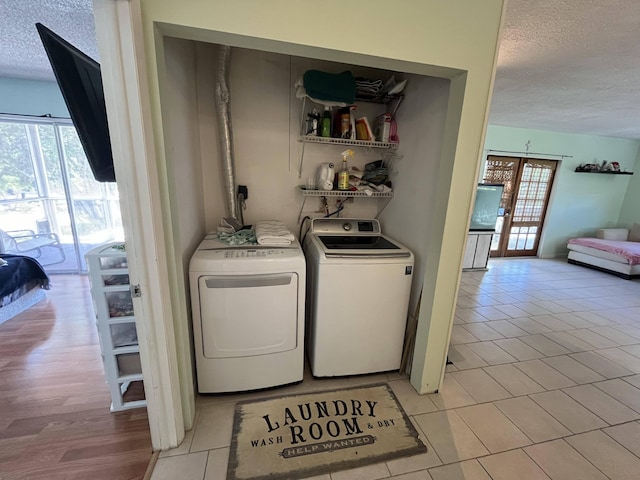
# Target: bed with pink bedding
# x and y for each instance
(614, 250)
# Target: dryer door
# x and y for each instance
(247, 315)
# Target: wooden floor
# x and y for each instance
(54, 403)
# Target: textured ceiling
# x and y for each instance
(570, 66)
(564, 65)
(21, 52)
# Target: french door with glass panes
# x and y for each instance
(527, 187)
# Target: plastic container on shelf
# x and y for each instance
(118, 279)
(119, 303)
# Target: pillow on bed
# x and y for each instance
(634, 233)
(615, 234)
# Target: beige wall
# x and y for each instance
(184, 174)
(409, 216)
(456, 40)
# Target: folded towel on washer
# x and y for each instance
(273, 232)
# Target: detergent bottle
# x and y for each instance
(343, 175)
(324, 176)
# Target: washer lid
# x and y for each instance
(354, 238)
(357, 242)
(355, 246)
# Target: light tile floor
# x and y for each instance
(544, 384)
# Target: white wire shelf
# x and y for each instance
(342, 193)
(346, 141)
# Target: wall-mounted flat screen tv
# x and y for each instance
(80, 81)
(486, 207)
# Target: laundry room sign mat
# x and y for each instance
(300, 436)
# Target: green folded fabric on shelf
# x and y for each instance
(334, 87)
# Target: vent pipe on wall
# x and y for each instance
(222, 99)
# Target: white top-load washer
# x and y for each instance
(248, 315)
(358, 286)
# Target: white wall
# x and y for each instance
(630, 211)
(580, 203)
(260, 84)
(408, 217)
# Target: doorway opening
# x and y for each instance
(51, 208)
(527, 188)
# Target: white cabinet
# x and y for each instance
(113, 305)
(476, 254)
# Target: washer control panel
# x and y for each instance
(344, 226)
(232, 253)
(253, 253)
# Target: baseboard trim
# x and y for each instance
(152, 464)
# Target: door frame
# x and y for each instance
(534, 250)
(506, 226)
(119, 34)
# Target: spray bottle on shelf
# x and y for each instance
(343, 175)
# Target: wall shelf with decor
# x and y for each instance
(610, 172)
(391, 102)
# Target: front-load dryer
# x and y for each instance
(248, 315)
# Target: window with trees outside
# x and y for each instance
(51, 208)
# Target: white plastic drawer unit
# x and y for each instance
(248, 315)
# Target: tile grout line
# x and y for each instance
(570, 446)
